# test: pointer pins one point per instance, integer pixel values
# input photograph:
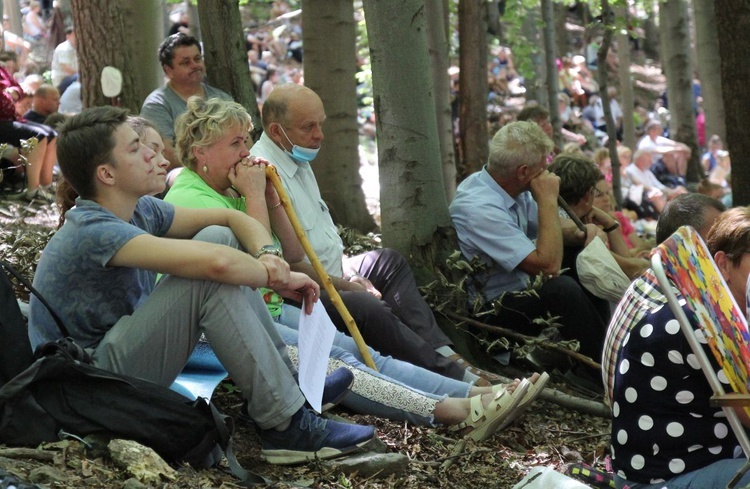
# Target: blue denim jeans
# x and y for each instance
(419, 381)
(714, 476)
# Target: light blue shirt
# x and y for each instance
(497, 229)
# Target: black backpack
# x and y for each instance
(60, 393)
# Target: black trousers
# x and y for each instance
(401, 324)
(560, 296)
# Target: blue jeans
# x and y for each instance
(398, 374)
(714, 476)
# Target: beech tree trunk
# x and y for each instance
(678, 69)
(733, 26)
(144, 23)
(535, 82)
(473, 89)
(225, 54)
(626, 85)
(329, 37)
(709, 63)
(550, 56)
(413, 203)
(102, 41)
(437, 41)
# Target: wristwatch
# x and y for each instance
(269, 250)
(614, 226)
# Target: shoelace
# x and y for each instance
(311, 422)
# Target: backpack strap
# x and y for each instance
(225, 426)
(10, 269)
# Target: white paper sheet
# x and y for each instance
(316, 333)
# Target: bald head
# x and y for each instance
(293, 115)
(283, 102)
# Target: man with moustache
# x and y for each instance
(181, 59)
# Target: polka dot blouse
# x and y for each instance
(662, 424)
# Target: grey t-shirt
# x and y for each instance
(163, 106)
(89, 296)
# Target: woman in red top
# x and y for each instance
(41, 160)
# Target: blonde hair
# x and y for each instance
(205, 122)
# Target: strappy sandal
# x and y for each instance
(485, 421)
(528, 399)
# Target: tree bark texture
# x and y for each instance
(550, 55)
(225, 54)
(329, 37)
(473, 88)
(535, 82)
(651, 43)
(709, 67)
(411, 184)
(562, 41)
(626, 83)
(678, 69)
(608, 22)
(102, 41)
(143, 21)
(733, 26)
(437, 42)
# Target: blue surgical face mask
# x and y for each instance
(298, 153)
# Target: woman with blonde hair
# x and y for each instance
(212, 139)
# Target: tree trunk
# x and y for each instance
(473, 88)
(551, 68)
(329, 35)
(733, 26)
(678, 70)
(102, 41)
(143, 21)
(626, 85)
(651, 43)
(225, 54)
(12, 10)
(413, 203)
(709, 62)
(534, 81)
(601, 62)
(195, 20)
(437, 41)
(562, 42)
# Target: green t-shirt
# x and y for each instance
(189, 190)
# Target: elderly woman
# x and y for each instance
(212, 138)
(578, 181)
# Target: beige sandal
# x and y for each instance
(485, 421)
(528, 399)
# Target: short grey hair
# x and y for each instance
(517, 144)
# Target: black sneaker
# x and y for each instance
(337, 387)
(310, 437)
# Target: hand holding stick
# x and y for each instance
(325, 280)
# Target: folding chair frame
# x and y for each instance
(727, 402)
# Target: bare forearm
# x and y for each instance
(549, 243)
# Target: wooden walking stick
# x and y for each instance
(325, 279)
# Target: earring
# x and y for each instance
(205, 169)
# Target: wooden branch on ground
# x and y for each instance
(31, 453)
(550, 345)
(579, 404)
